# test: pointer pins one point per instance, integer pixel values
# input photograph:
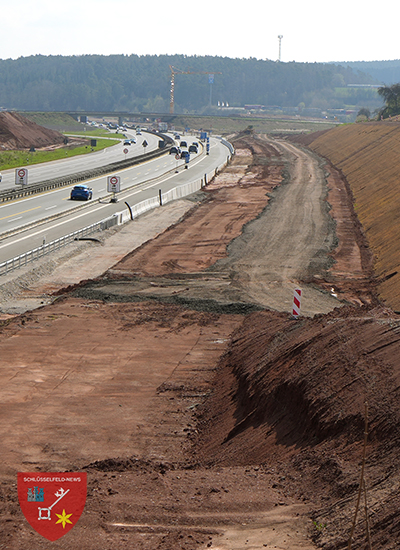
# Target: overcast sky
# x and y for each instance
(312, 30)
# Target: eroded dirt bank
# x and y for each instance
(202, 424)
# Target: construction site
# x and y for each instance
(166, 362)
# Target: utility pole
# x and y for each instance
(280, 36)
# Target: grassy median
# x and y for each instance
(16, 159)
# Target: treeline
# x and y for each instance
(383, 72)
(142, 83)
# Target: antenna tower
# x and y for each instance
(280, 36)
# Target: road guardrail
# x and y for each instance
(117, 218)
(12, 194)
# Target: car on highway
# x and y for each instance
(127, 142)
(81, 192)
(185, 155)
(133, 141)
(193, 148)
(174, 150)
(1, 177)
(183, 144)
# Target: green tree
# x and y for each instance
(391, 95)
(364, 112)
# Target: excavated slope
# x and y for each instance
(17, 132)
(368, 154)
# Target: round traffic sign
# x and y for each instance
(113, 180)
(126, 151)
(177, 156)
(21, 172)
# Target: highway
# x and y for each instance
(137, 184)
(80, 163)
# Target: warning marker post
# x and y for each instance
(296, 303)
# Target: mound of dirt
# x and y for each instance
(17, 132)
(290, 396)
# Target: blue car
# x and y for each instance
(81, 192)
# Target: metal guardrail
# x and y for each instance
(116, 219)
(12, 194)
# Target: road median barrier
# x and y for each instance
(33, 189)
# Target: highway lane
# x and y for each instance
(145, 186)
(67, 166)
(30, 209)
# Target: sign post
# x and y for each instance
(296, 303)
(21, 176)
(113, 186)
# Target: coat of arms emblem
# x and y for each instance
(52, 502)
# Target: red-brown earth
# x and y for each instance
(203, 418)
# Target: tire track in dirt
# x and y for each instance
(288, 242)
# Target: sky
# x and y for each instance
(312, 30)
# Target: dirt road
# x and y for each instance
(289, 242)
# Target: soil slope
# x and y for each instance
(17, 132)
(368, 155)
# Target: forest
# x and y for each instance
(133, 83)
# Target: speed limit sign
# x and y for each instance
(21, 176)
(113, 184)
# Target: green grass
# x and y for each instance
(16, 159)
(95, 132)
(262, 125)
(56, 121)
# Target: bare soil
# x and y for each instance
(367, 155)
(203, 413)
(17, 132)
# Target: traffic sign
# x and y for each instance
(177, 156)
(126, 151)
(113, 184)
(21, 176)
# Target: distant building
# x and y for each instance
(254, 107)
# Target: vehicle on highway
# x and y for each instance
(183, 144)
(185, 155)
(193, 148)
(127, 142)
(133, 141)
(1, 177)
(81, 192)
(175, 151)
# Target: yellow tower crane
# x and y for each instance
(175, 71)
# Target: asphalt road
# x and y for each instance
(67, 166)
(139, 183)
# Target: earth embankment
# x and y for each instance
(18, 132)
(368, 155)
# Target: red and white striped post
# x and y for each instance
(296, 302)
